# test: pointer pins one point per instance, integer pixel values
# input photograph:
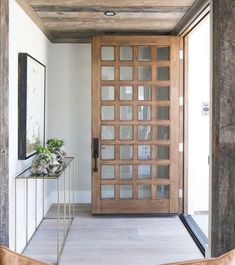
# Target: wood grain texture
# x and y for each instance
(223, 128)
(4, 138)
(79, 21)
(115, 240)
(135, 204)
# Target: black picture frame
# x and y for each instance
(31, 105)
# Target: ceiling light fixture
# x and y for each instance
(110, 13)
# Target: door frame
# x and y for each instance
(4, 127)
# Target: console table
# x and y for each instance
(64, 206)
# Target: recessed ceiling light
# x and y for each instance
(109, 13)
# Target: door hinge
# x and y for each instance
(181, 147)
(180, 193)
(181, 101)
(181, 54)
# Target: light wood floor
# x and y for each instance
(116, 241)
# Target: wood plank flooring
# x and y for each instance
(95, 240)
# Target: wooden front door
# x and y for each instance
(135, 124)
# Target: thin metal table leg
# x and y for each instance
(15, 216)
(73, 183)
(27, 210)
(36, 199)
(64, 206)
(58, 219)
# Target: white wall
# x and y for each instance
(198, 125)
(24, 36)
(69, 108)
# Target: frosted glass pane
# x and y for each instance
(163, 93)
(144, 113)
(126, 93)
(144, 152)
(144, 54)
(107, 53)
(107, 113)
(126, 113)
(144, 132)
(126, 152)
(107, 172)
(126, 132)
(126, 73)
(163, 152)
(107, 92)
(144, 192)
(163, 191)
(107, 152)
(163, 171)
(163, 113)
(163, 73)
(107, 191)
(107, 132)
(144, 73)
(107, 73)
(126, 191)
(125, 53)
(144, 93)
(125, 172)
(163, 132)
(163, 53)
(144, 171)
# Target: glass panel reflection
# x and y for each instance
(163, 132)
(107, 53)
(163, 73)
(126, 113)
(107, 172)
(107, 132)
(125, 172)
(163, 171)
(144, 132)
(126, 73)
(126, 152)
(107, 152)
(144, 171)
(144, 152)
(107, 191)
(163, 113)
(107, 113)
(144, 93)
(144, 73)
(107, 73)
(125, 132)
(126, 93)
(144, 192)
(125, 53)
(144, 54)
(126, 191)
(163, 53)
(144, 113)
(107, 92)
(163, 191)
(163, 152)
(163, 93)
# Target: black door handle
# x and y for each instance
(95, 152)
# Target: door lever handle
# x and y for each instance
(95, 153)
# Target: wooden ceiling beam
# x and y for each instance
(98, 15)
(113, 3)
(117, 9)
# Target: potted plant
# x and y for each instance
(54, 146)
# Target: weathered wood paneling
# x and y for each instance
(4, 196)
(223, 127)
(86, 18)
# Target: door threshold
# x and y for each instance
(195, 232)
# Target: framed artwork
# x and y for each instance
(31, 105)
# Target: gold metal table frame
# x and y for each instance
(67, 204)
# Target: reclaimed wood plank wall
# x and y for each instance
(223, 127)
(4, 142)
